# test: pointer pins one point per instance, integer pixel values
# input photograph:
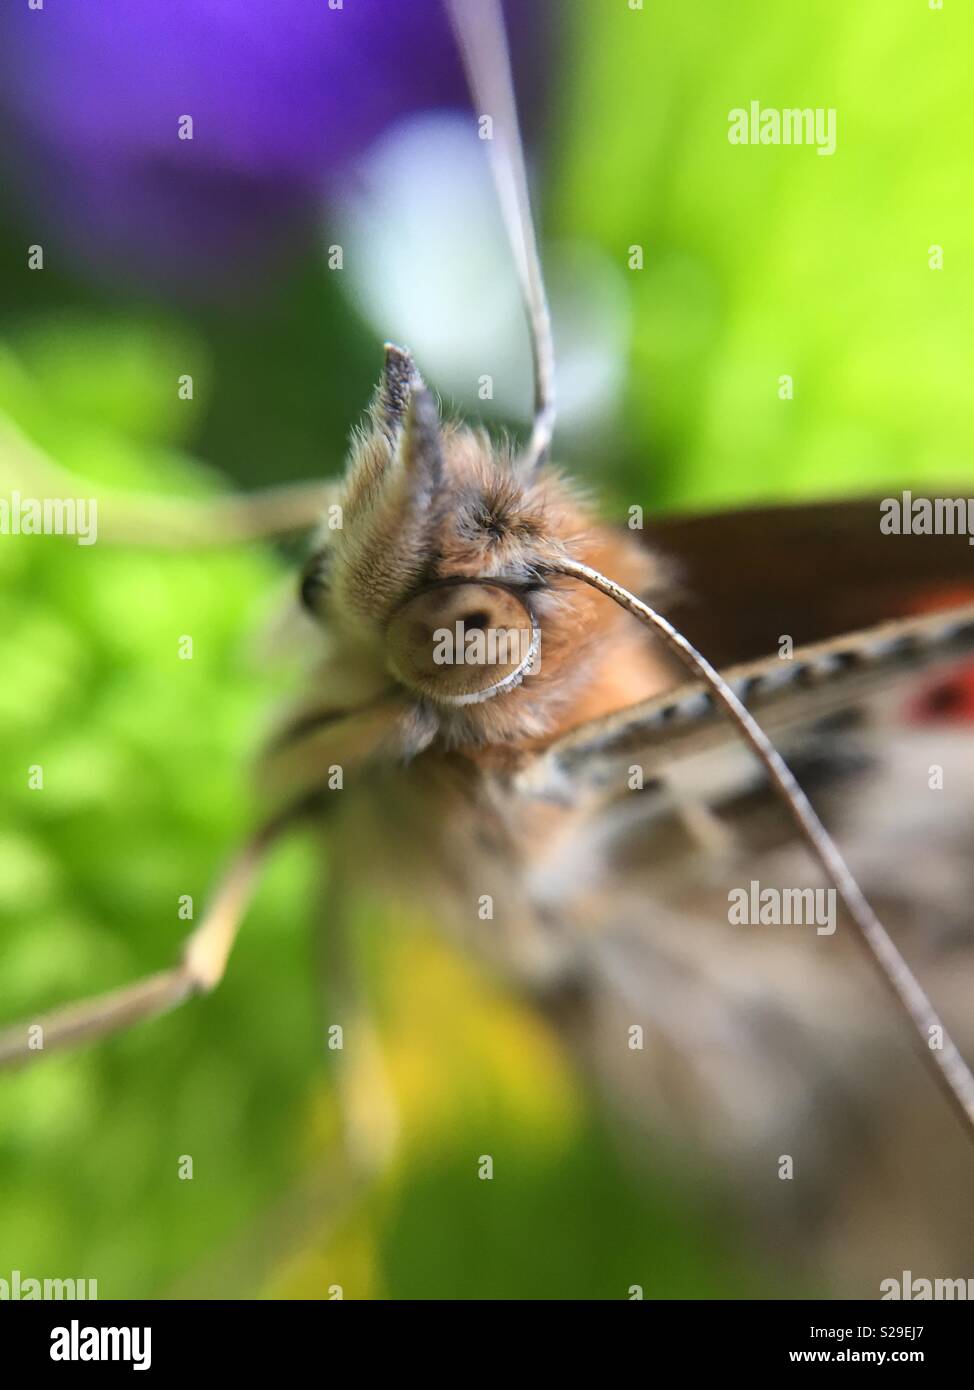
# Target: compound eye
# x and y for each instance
(314, 582)
(462, 643)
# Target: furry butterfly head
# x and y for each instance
(438, 579)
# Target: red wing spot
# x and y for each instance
(946, 701)
(932, 600)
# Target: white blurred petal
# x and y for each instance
(427, 261)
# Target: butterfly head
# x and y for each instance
(438, 576)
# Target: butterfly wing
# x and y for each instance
(915, 669)
(757, 1041)
(812, 571)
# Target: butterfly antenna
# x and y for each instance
(936, 1046)
(479, 29)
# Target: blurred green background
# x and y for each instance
(758, 262)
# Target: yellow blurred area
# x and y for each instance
(461, 1060)
(461, 1051)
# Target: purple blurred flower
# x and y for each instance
(283, 94)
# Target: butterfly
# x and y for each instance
(500, 722)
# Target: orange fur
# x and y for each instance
(417, 511)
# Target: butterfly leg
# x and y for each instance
(702, 824)
(369, 1113)
(169, 523)
(200, 969)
